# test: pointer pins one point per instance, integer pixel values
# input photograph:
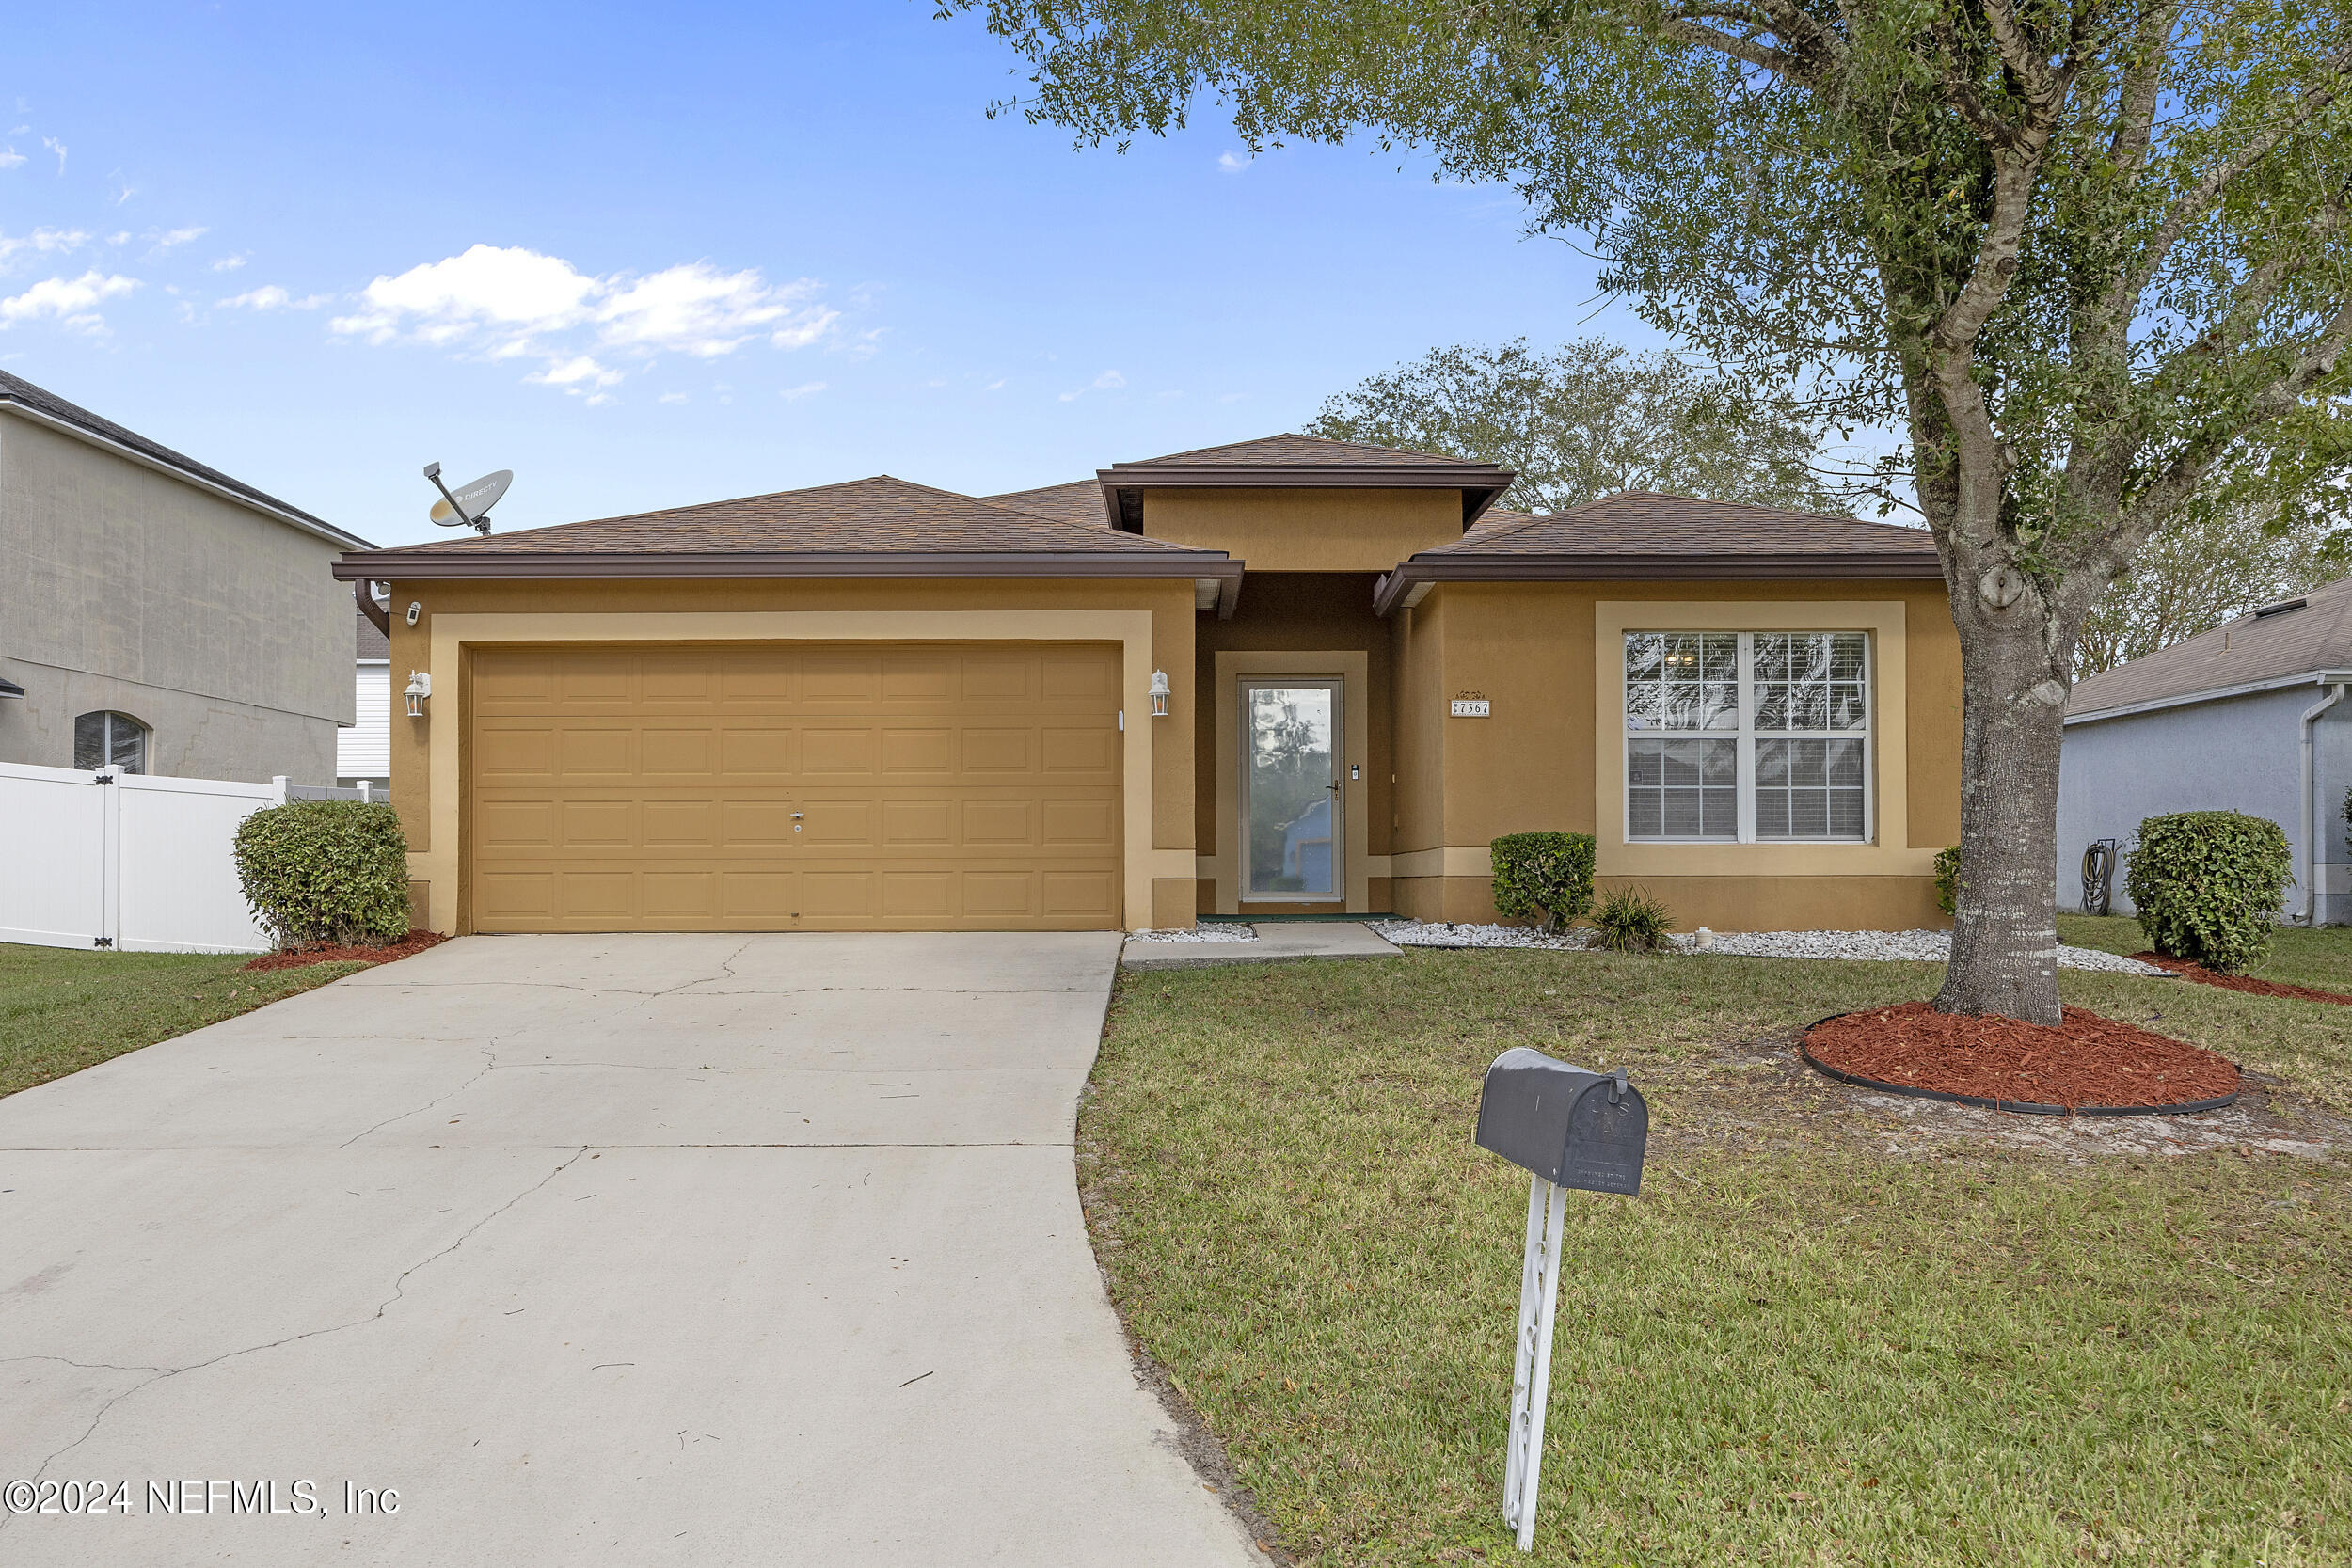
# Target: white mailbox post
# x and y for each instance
(1569, 1128)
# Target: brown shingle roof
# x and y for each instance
(1298, 461)
(1641, 522)
(2249, 650)
(368, 641)
(878, 527)
(882, 515)
(1080, 501)
(1642, 534)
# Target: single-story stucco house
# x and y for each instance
(2248, 717)
(157, 615)
(1287, 676)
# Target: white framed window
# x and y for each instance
(109, 740)
(1746, 737)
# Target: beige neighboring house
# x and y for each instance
(156, 614)
(1282, 677)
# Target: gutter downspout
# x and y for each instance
(2310, 793)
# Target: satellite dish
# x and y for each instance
(469, 505)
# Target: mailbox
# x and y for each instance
(1570, 1127)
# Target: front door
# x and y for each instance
(1290, 796)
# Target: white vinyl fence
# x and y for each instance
(129, 862)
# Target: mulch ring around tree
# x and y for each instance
(2190, 969)
(332, 953)
(2086, 1066)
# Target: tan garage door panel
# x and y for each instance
(795, 788)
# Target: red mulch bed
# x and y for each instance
(2190, 969)
(2087, 1060)
(328, 953)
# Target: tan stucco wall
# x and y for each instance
(454, 615)
(1307, 530)
(1530, 649)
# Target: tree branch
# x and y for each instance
(2200, 197)
(1682, 29)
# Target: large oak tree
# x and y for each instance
(2092, 255)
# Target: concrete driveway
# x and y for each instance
(643, 1249)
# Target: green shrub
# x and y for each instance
(1948, 879)
(1545, 877)
(326, 871)
(1630, 921)
(2208, 884)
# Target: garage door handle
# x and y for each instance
(796, 817)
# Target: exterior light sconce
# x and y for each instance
(420, 688)
(1159, 693)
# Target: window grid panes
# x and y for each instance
(1781, 749)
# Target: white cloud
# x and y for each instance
(671, 397)
(513, 303)
(69, 300)
(807, 389)
(1234, 396)
(59, 148)
(995, 385)
(41, 242)
(10, 157)
(695, 308)
(230, 264)
(579, 373)
(1109, 381)
(270, 297)
(177, 237)
(1231, 162)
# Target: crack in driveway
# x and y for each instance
(400, 1288)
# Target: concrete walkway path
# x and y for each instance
(645, 1249)
(1279, 940)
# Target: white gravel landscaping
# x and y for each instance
(1198, 933)
(1887, 946)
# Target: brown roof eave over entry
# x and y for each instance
(429, 565)
(1883, 566)
(1482, 484)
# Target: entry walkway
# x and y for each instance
(646, 1249)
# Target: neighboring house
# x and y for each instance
(2248, 717)
(363, 753)
(877, 704)
(157, 615)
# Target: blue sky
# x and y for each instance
(653, 256)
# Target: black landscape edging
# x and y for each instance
(2020, 1108)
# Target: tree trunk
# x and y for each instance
(2013, 704)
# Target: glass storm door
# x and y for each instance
(1291, 796)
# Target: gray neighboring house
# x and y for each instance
(158, 615)
(2252, 716)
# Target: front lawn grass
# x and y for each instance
(2298, 957)
(63, 1009)
(1818, 1335)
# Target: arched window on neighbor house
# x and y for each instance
(110, 740)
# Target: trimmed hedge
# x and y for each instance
(1544, 877)
(1948, 879)
(2208, 884)
(326, 871)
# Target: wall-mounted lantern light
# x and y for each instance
(1159, 693)
(420, 688)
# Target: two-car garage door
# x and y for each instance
(794, 787)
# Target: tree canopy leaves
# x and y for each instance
(1588, 419)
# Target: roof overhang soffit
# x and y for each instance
(1411, 582)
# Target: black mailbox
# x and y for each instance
(1573, 1128)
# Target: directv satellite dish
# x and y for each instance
(469, 506)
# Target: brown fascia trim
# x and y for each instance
(430, 565)
(1481, 483)
(1867, 566)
